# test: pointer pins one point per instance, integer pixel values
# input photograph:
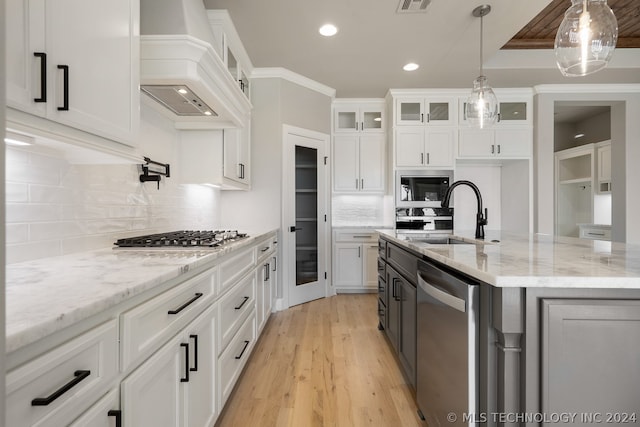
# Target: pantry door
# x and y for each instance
(305, 212)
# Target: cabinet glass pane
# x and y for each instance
(438, 111)
(347, 120)
(372, 120)
(232, 64)
(513, 111)
(306, 215)
(410, 111)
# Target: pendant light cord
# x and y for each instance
(481, 18)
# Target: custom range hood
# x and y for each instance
(182, 69)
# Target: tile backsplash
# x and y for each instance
(54, 207)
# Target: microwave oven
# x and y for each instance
(421, 188)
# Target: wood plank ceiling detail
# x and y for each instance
(540, 33)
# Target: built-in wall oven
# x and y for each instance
(419, 195)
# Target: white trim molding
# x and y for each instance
(283, 73)
(587, 88)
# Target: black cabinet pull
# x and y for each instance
(275, 264)
(118, 414)
(246, 344)
(44, 401)
(395, 292)
(268, 271)
(242, 303)
(43, 76)
(265, 249)
(186, 304)
(186, 363)
(65, 87)
(195, 353)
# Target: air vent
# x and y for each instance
(413, 6)
(179, 99)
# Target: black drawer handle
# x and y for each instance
(43, 76)
(195, 353)
(186, 363)
(246, 344)
(118, 414)
(44, 401)
(65, 87)
(242, 303)
(186, 304)
(266, 248)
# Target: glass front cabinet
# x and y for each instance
(512, 109)
(425, 111)
(362, 116)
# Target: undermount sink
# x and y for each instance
(441, 241)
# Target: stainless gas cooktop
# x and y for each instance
(183, 239)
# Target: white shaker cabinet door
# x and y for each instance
(372, 161)
(346, 176)
(153, 395)
(410, 147)
(98, 42)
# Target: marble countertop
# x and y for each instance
(47, 295)
(532, 260)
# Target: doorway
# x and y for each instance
(305, 215)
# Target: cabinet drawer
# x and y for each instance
(55, 388)
(146, 327)
(405, 262)
(595, 233)
(234, 307)
(234, 357)
(266, 249)
(105, 413)
(235, 267)
(365, 236)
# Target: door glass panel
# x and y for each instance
(372, 120)
(347, 120)
(410, 111)
(306, 215)
(438, 111)
(513, 111)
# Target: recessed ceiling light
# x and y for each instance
(328, 30)
(578, 135)
(411, 66)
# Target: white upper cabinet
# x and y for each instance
(76, 62)
(495, 143)
(363, 116)
(420, 147)
(359, 163)
(430, 111)
(515, 107)
(604, 166)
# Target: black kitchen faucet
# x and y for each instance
(481, 220)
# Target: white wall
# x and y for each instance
(54, 207)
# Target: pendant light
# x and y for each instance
(586, 38)
(481, 109)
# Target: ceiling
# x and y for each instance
(365, 58)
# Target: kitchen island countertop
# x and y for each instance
(46, 295)
(506, 259)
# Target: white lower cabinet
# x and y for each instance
(233, 359)
(55, 388)
(355, 256)
(265, 285)
(176, 386)
(105, 413)
(170, 361)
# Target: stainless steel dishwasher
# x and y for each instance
(447, 347)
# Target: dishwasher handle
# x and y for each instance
(442, 296)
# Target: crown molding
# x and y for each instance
(283, 73)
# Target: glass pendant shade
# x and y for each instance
(482, 105)
(586, 38)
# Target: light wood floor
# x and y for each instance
(323, 363)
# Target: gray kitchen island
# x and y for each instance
(552, 335)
